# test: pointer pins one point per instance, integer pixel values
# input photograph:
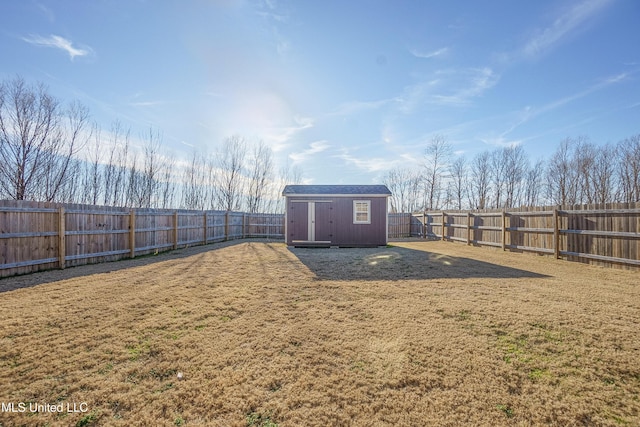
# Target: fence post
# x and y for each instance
(132, 233)
(226, 226)
(556, 234)
(443, 226)
(175, 230)
(468, 228)
(504, 229)
(204, 228)
(62, 249)
(424, 225)
(244, 224)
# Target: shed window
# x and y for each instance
(362, 211)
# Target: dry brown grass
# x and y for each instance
(422, 333)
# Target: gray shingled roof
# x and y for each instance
(295, 190)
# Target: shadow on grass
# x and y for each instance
(396, 263)
(48, 276)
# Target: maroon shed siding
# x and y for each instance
(349, 234)
(331, 223)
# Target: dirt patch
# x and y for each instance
(421, 333)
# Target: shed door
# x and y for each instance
(311, 221)
(323, 222)
(298, 221)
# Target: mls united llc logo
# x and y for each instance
(23, 407)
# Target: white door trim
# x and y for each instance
(311, 222)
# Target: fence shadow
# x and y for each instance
(48, 276)
(396, 263)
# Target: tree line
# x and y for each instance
(578, 172)
(52, 152)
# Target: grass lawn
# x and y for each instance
(419, 333)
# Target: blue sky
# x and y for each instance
(345, 90)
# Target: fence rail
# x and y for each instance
(40, 236)
(596, 234)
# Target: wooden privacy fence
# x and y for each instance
(40, 236)
(597, 234)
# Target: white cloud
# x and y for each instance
(314, 148)
(354, 107)
(370, 165)
(428, 55)
(467, 84)
(280, 136)
(608, 81)
(47, 12)
(452, 87)
(58, 42)
(545, 39)
(147, 103)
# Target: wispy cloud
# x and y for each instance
(468, 84)
(452, 87)
(147, 103)
(314, 148)
(427, 55)
(370, 165)
(529, 113)
(565, 24)
(46, 12)
(58, 42)
(353, 107)
(608, 81)
(280, 136)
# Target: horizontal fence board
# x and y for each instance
(530, 230)
(92, 255)
(530, 249)
(21, 235)
(30, 263)
(27, 210)
(93, 232)
(534, 213)
(619, 234)
(601, 258)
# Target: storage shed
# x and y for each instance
(336, 215)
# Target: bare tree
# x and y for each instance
(133, 181)
(480, 180)
(603, 176)
(115, 169)
(152, 168)
(562, 176)
(533, 184)
(37, 140)
(260, 173)
(93, 185)
(404, 185)
(583, 154)
(167, 185)
(230, 165)
(194, 183)
(629, 169)
(458, 184)
(498, 175)
(514, 173)
(288, 175)
(437, 155)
